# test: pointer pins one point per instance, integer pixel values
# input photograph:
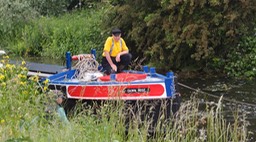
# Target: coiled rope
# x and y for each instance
(86, 64)
(214, 96)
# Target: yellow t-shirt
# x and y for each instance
(116, 48)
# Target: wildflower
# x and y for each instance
(23, 63)
(6, 57)
(24, 68)
(2, 121)
(20, 76)
(34, 78)
(9, 66)
(46, 81)
(22, 83)
(45, 88)
(2, 77)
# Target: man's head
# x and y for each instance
(116, 32)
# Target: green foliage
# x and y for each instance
(21, 100)
(241, 61)
(21, 29)
(176, 34)
(77, 32)
(50, 7)
(14, 14)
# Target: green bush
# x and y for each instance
(14, 14)
(241, 60)
(77, 32)
(50, 7)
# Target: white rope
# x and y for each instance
(86, 68)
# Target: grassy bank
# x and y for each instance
(28, 113)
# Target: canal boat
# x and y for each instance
(127, 85)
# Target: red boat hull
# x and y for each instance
(121, 91)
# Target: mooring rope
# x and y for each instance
(86, 64)
(226, 99)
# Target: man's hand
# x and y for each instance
(118, 58)
(113, 66)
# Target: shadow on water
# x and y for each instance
(239, 97)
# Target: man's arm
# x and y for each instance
(120, 54)
(113, 66)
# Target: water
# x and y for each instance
(239, 95)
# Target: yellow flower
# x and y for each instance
(46, 81)
(45, 88)
(22, 83)
(36, 78)
(20, 76)
(23, 63)
(6, 57)
(24, 68)
(9, 66)
(2, 121)
(2, 77)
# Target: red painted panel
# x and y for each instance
(152, 90)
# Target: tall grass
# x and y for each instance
(23, 117)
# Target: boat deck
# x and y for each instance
(40, 69)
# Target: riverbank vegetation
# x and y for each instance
(205, 36)
(28, 113)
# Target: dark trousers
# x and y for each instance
(123, 64)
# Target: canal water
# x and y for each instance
(238, 96)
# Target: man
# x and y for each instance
(116, 56)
